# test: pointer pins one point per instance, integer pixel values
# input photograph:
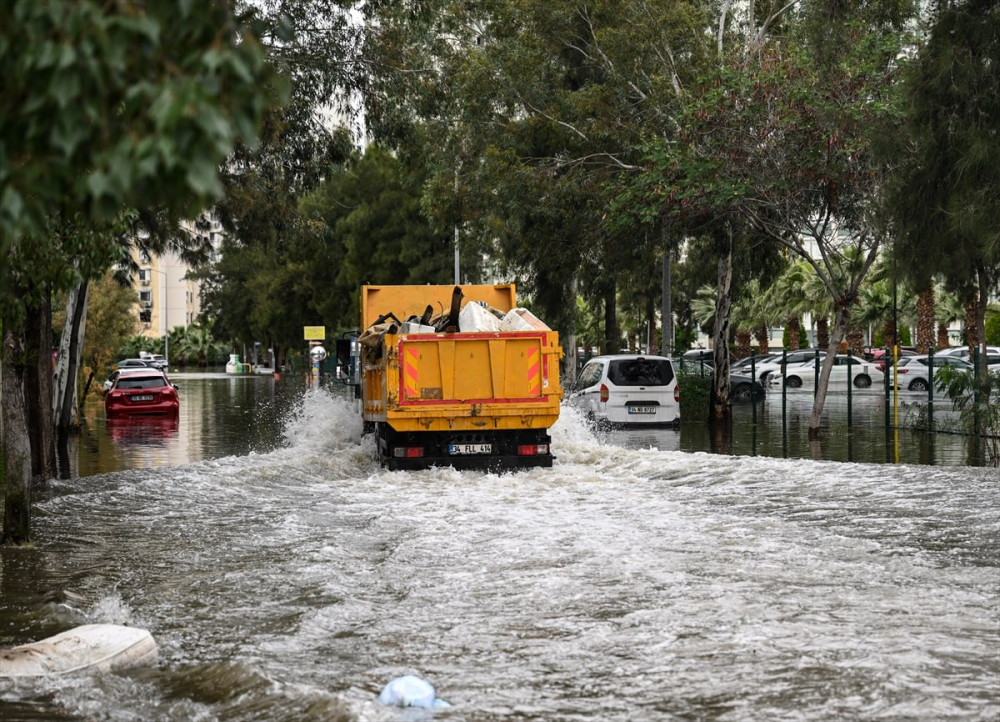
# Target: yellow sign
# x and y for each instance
(314, 333)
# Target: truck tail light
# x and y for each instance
(604, 393)
(532, 449)
(677, 394)
(408, 452)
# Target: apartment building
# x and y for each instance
(167, 298)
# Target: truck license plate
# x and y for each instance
(470, 448)
(642, 409)
(143, 397)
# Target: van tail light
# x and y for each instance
(604, 393)
(532, 449)
(677, 394)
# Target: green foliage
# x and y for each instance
(977, 399)
(993, 328)
(695, 393)
(110, 321)
(363, 224)
(106, 107)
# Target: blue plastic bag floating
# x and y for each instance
(410, 691)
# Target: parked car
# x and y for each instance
(743, 365)
(157, 361)
(792, 358)
(881, 359)
(118, 372)
(149, 393)
(628, 389)
(131, 363)
(913, 372)
(962, 352)
(862, 372)
(742, 387)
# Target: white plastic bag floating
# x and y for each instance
(410, 691)
(521, 319)
(474, 318)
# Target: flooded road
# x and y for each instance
(293, 581)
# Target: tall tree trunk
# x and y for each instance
(38, 386)
(822, 332)
(841, 322)
(16, 443)
(611, 341)
(971, 325)
(569, 344)
(744, 342)
(794, 332)
(925, 319)
(721, 407)
(943, 340)
(666, 344)
(763, 340)
(855, 342)
(984, 299)
(68, 362)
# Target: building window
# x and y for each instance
(146, 299)
(145, 276)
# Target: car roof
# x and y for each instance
(626, 356)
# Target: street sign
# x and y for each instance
(314, 333)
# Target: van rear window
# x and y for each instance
(640, 372)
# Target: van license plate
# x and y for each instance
(642, 409)
(470, 448)
(143, 397)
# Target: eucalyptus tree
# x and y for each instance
(784, 137)
(946, 198)
(105, 107)
(532, 108)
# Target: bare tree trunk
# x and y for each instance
(16, 443)
(611, 340)
(569, 344)
(984, 299)
(666, 342)
(721, 406)
(925, 320)
(68, 362)
(842, 318)
(37, 387)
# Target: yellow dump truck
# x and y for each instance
(436, 393)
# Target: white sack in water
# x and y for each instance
(89, 648)
(410, 691)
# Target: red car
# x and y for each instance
(144, 393)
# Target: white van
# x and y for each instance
(628, 389)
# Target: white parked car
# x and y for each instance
(765, 369)
(628, 389)
(913, 371)
(862, 373)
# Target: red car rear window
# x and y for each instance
(142, 382)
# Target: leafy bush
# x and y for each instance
(696, 393)
(978, 403)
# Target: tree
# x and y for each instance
(105, 107)
(946, 198)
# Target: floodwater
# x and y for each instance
(290, 578)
